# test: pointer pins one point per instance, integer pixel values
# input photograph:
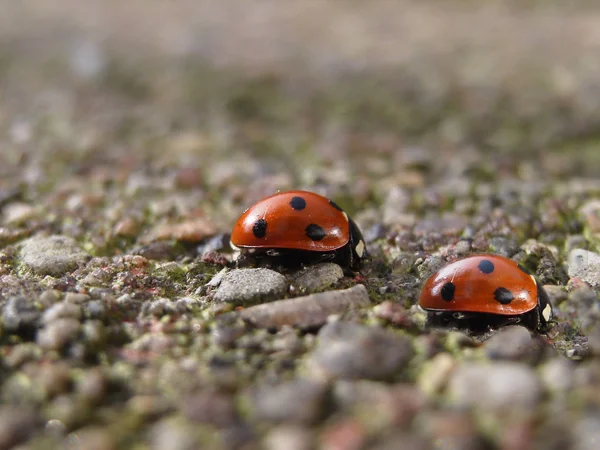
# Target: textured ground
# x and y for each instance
(133, 134)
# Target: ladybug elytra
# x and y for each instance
(299, 226)
(491, 289)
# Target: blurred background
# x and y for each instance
(240, 98)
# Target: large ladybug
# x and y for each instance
(299, 227)
(485, 291)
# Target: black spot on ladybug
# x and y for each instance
(259, 229)
(447, 291)
(315, 232)
(335, 205)
(486, 266)
(298, 203)
(503, 296)
(523, 269)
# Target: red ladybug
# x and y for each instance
(299, 226)
(486, 290)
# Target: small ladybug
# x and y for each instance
(299, 227)
(485, 290)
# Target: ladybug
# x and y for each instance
(485, 290)
(299, 227)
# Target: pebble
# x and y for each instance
(245, 286)
(92, 386)
(174, 434)
(210, 407)
(434, 376)
(16, 425)
(91, 438)
(20, 314)
(62, 310)
(591, 213)
(351, 351)
(289, 437)
(52, 255)
(55, 379)
(76, 298)
(192, 231)
(500, 385)
(300, 401)
(394, 208)
(304, 312)
(17, 213)
(515, 343)
(58, 333)
(585, 265)
(317, 277)
(587, 433)
(557, 374)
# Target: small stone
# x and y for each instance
(92, 386)
(501, 385)
(58, 333)
(192, 231)
(395, 208)
(299, 401)
(245, 286)
(20, 314)
(91, 438)
(94, 309)
(62, 310)
(289, 437)
(557, 374)
(128, 227)
(317, 277)
(52, 255)
(210, 407)
(174, 434)
(55, 379)
(76, 298)
(49, 297)
(16, 425)
(352, 351)
(435, 374)
(587, 432)
(18, 213)
(585, 265)
(515, 343)
(304, 312)
(591, 213)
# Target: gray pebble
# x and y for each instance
(587, 433)
(16, 425)
(317, 277)
(210, 407)
(20, 313)
(504, 246)
(52, 255)
(174, 434)
(62, 310)
(351, 351)
(95, 309)
(558, 374)
(76, 297)
(585, 265)
(289, 437)
(58, 334)
(299, 401)
(515, 343)
(245, 286)
(501, 385)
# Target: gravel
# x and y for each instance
(585, 265)
(317, 277)
(493, 386)
(52, 255)
(352, 351)
(247, 286)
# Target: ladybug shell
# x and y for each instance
(481, 284)
(298, 220)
